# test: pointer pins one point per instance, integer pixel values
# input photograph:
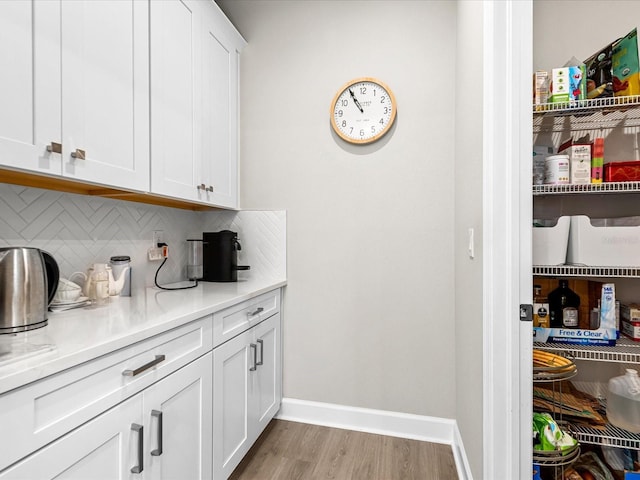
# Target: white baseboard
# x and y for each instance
(394, 424)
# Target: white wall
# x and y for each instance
(468, 214)
(553, 46)
(369, 309)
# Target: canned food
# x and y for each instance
(556, 170)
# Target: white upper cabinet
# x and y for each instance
(30, 85)
(105, 92)
(194, 102)
(76, 96)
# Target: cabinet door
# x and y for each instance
(175, 28)
(104, 448)
(30, 85)
(266, 384)
(231, 363)
(178, 412)
(105, 91)
(220, 103)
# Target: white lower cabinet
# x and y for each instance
(162, 432)
(246, 393)
(186, 404)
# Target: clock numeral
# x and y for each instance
(351, 130)
(344, 102)
(340, 113)
(373, 129)
(386, 110)
(362, 133)
(363, 90)
(344, 123)
(381, 122)
(382, 99)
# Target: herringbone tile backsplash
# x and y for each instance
(80, 230)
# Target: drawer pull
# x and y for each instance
(78, 154)
(152, 363)
(254, 347)
(256, 312)
(261, 342)
(158, 451)
(54, 147)
(202, 186)
(140, 431)
(210, 188)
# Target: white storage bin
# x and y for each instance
(611, 242)
(550, 238)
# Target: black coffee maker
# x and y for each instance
(220, 256)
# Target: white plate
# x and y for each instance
(72, 302)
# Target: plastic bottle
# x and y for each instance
(564, 307)
(623, 401)
(540, 308)
(99, 293)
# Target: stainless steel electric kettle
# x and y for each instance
(28, 280)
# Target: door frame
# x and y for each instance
(507, 214)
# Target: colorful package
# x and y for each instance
(568, 84)
(625, 66)
(599, 73)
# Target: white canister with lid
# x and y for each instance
(556, 170)
(623, 401)
(120, 281)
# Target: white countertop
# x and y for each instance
(79, 335)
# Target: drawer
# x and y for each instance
(234, 320)
(38, 413)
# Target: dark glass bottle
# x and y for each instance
(564, 306)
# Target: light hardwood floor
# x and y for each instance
(291, 450)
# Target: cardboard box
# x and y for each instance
(568, 84)
(540, 87)
(579, 161)
(605, 335)
(631, 330)
(630, 312)
(597, 160)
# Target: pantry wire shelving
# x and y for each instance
(607, 436)
(625, 351)
(584, 271)
(593, 114)
(594, 188)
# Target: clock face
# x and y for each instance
(363, 110)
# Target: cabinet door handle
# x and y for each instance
(261, 342)
(146, 366)
(202, 186)
(158, 451)
(54, 147)
(140, 432)
(256, 312)
(78, 154)
(210, 188)
(254, 347)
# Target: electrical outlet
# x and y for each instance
(158, 237)
(155, 254)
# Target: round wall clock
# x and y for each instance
(363, 110)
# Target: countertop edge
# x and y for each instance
(37, 367)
